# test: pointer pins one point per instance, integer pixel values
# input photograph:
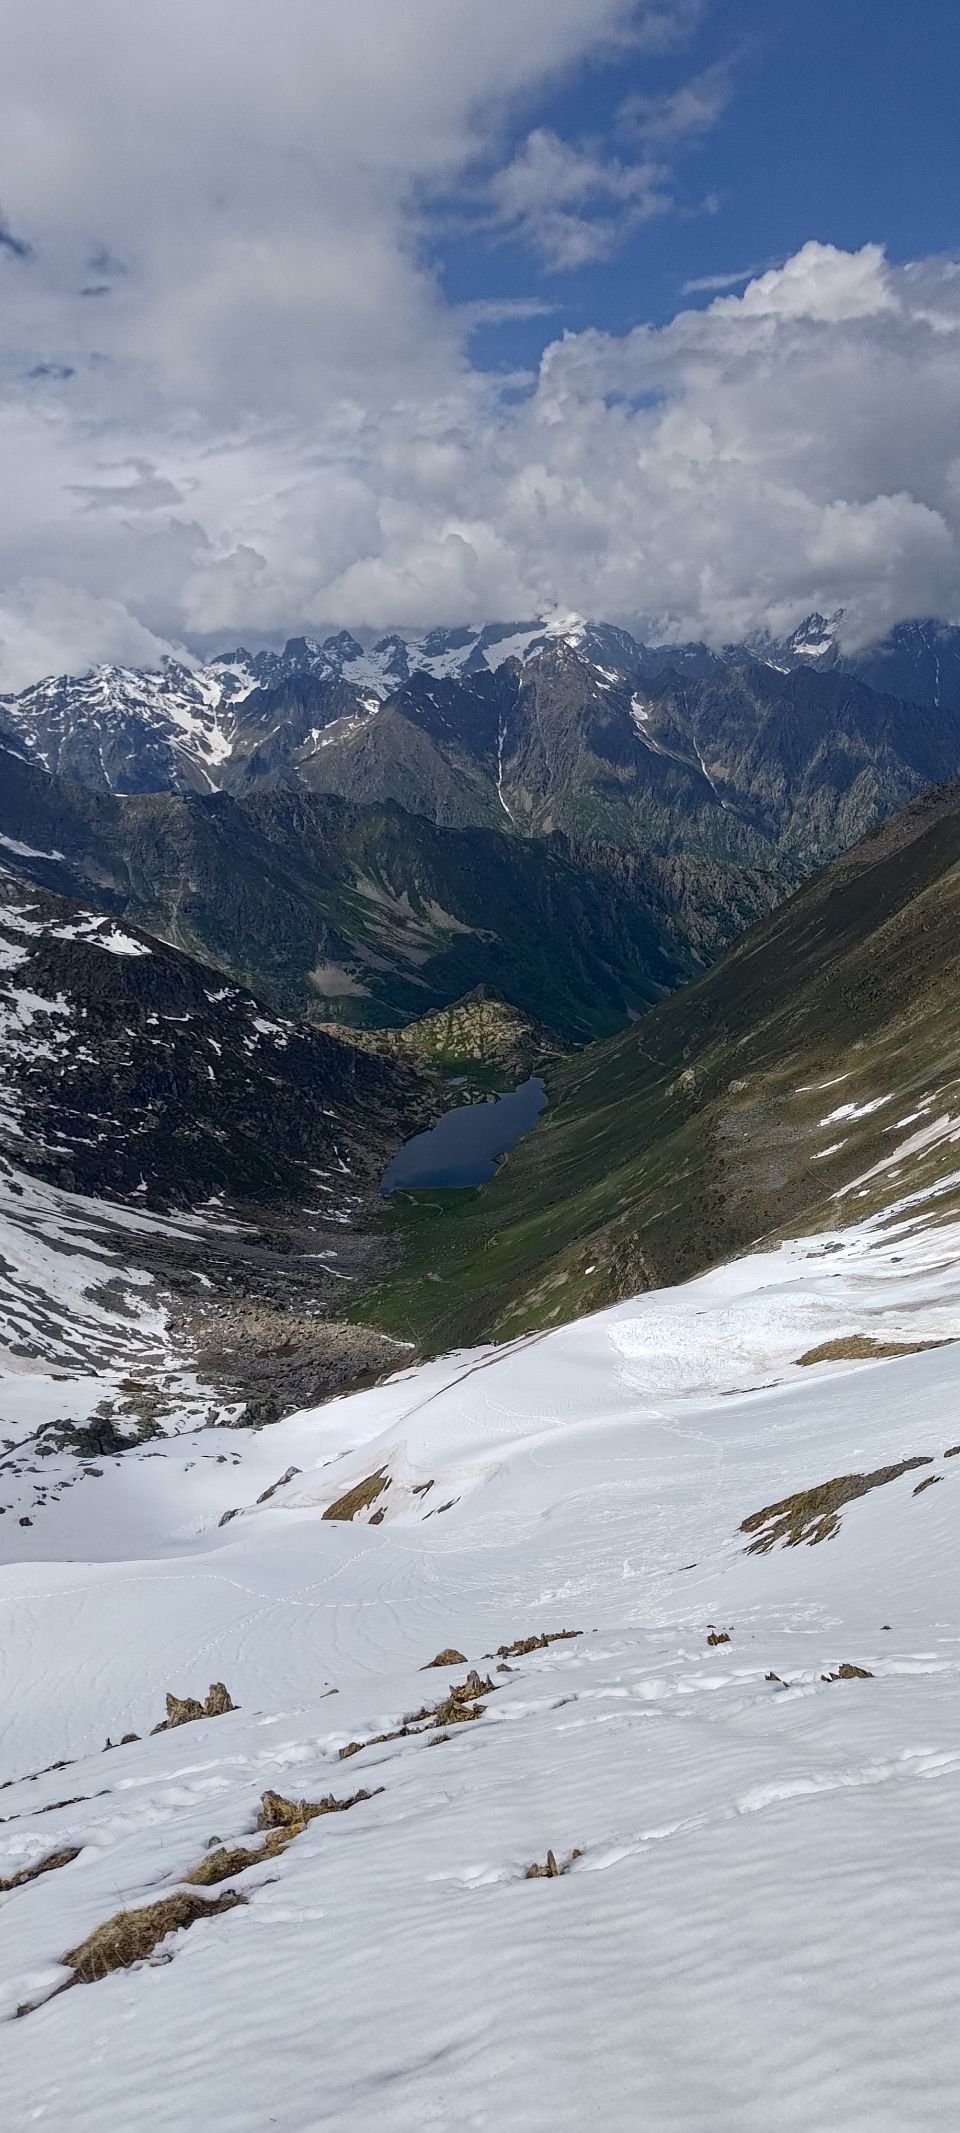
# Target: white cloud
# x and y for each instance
(709, 284)
(686, 113)
(822, 282)
(270, 420)
(571, 205)
(58, 628)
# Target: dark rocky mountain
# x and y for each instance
(373, 915)
(770, 756)
(749, 764)
(805, 761)
(127, 1068)
(186, 1190)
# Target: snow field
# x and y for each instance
(762, 1931)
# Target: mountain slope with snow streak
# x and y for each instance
(759, 1927)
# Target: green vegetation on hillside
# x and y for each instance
(827, 1040)
(480, 1038)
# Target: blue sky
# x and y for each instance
(840, 120)
(324, 313)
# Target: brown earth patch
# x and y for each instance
(813, 1515)
(862, 1348)
(360, 1497)
(46, 1865)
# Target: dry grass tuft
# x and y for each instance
(278, 1813)
(130, 1936)
(224, 1861)
(46, 1865)
(353, 1747)
(524, 1645)
(862, 1348)
(282, 1820)
(813, 1515)
(360, 1497)
(461, 1703)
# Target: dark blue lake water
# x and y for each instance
(462, 1148)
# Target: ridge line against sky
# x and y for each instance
(331, 314)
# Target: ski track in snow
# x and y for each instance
(762, 1931)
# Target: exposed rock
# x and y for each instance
(550, 1869)
(276, 1812)
(185, 1710)
(290, 1475)
(524, 1645)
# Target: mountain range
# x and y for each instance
(572, 725)
(352, 832)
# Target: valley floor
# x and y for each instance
(760, 1930)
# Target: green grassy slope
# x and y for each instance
(703, 1129)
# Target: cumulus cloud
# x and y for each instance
(269, 420)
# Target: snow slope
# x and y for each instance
(761, 1930)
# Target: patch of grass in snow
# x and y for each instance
(862, 1348)
(46, 1865)
(360, 1497)
(813, 1515)
(524, 1645)
(457, 1708)
(129, 1936)
(290, 1817)
(282, 1820)
(224, 1861)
